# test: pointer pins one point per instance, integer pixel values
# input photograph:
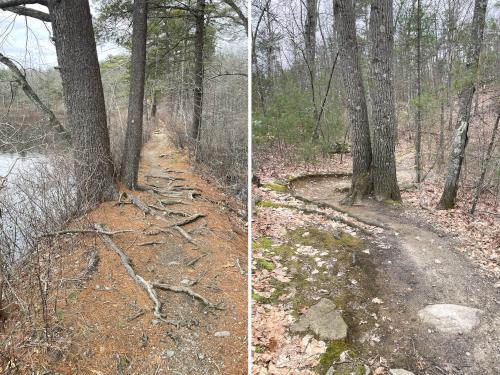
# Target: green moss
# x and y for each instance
(333, 351)
(259, 349)
(262, 243)
(72, 296)
(350, 241)
(276, 187)
(258, 298)
(121, 324)
(283, 250)
(265, 264)
(270, 204)
(393, 203)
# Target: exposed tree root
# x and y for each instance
(193, 261)
(341, 210)
(83, 231)
(184, 234)
(92, 263)
(318, 175)
(150, 243)
(148, 287)
(140, 205)
(182, 289)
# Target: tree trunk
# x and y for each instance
(356, 102)
(484, 166)
(310, 54)
(31, 94)
(460, 136)
(198, 70)
(418, 114)
(383, 169)
(84, 100)
(133, 139)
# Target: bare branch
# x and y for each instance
(12, 3)
(28, 12)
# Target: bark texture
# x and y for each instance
(84, 100)
(418, 114)
(385, 184)
(198, 70)
(459, 141)
(133, 139)
(31, 94)
(356, 102)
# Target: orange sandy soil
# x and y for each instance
(97, 334)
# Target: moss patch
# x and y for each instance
(262, 243)
(265, 264)
(276, 187)
(269, 204)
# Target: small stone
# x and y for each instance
(330, 371)
(437, 261)
(400, 371)
(201, 356)
(186, 282)
(306, 234)
(367, 251)
(497, 285)
(222, 334)
(168, 353)
(155, 322)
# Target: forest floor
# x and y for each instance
(381, 265)
(105, 323)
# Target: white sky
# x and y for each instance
(27, 40)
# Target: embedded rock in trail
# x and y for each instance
(324, 320)
(400, 371)
(450, 318)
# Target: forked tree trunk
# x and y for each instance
(198, 70)
(84, 100)
(385, 184)
(133, 141)
(459, 141)
(356, 102)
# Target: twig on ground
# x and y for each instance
(186, 221)
(83, 231)
(150, 243)
(184, 234)
(192, 262)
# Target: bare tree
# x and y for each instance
(198, 69)
(383, 118)
(361, 184)
(460, 136)
(133, 139)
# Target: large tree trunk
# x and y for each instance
(356, 102)
(31, 94)
(418, 114)
(199, 43)
(84, 100)
(310, 27)
(459, 141)
(133, 140)
(385, 184)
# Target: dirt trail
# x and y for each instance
(110, 317)
(412, 266)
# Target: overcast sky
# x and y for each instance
(27, 40)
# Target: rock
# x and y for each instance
(400, 371)
(155, 322)
(222, 334)
(168, 353)
(330, 371)
(324, 320)
(497, 285)
(450, 318)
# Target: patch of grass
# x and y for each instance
(265, 264)
(350, 241)
(59, 314)
(276, 187)
(72, 296)
(258, 298)
(333, 351)
(262, 243)
(269, 204)
(259, 349)
(121, 324)
(283, 250)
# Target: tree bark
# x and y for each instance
(133, 139)
(84, 100)
(198, 70)
(484, 166)
(310, 27)
(418, 114)
(460, 136)
(383, 168)
(31, 94)
(361, 184)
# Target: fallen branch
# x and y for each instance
(167, 177)
(182, 289)
(150, 243)
(184, 234)
(193, 261)
(137, 278)
(83, 231)
(189, 220)
(140, 205)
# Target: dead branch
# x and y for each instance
(83, 231)
(182, 289)
(150, 243)
(140, 205)
(148, 287)
(189, 220)
(184, 234)
(193, 261)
